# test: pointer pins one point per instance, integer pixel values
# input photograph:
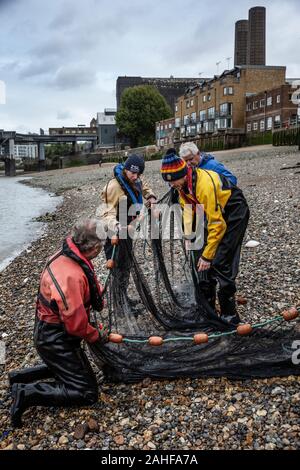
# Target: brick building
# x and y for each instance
(219, 104)
(164, 135)
(271, 109)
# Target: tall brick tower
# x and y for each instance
(241, 42)
(256, 54)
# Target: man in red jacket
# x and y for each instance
(68, 289)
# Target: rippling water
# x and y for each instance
(19, 204)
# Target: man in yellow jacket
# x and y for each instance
(130, 188)
(227, 214)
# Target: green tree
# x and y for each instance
(141, 107)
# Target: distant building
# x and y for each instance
(171, 88)
(219, 104)
(241, 42)
(164, 134)
(250, 39)
(271, 109)
(72, 130)
(106, 128)
(25, 151)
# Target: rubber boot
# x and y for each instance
(46, 394)
(30, 374)
(228, 309)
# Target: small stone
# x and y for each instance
(93, 425)
(21, 447)
(151, 445)
(80, 445)
(119, 440)
(80, 431)
(277, 391)
(261, 412)
(270, 446)
(63, 440)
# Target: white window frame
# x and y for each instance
(278, 99)
(255, 126)
(269, 101)
(262, 125)
(269, 123)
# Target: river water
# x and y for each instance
(19, 204)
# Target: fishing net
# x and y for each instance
(153, 291)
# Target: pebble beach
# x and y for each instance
(183, 414)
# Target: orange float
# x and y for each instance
(244, 330)
(241, 300)
(110, 264)
(200, 338)
(155, 341)
(290, 314)
(115, 338)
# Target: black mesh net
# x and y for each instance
(152, 291)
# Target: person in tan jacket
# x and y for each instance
(120, 196)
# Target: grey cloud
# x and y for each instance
(73, 77)
(62, 115)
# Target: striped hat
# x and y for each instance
(173, 167)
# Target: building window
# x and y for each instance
(211, 113)
(262, 125)
(226, 109)
(249, 107)
(249, 127)
(204, 99)
(209, 97)
(177, 123)
(170, 125)
(176, 108)
(202, 115)
(221, 123)
(269, 123)
(262, 103)
(228, 90)
(166, 127)
(269, 101)
(186, 119)
(187, 104)
(278, 99)
(255, 104)
(193, 117)
(255, 126)
(192, 103)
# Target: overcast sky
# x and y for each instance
(60, 59)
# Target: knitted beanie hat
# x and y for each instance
(173, 167)
(135, 164)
